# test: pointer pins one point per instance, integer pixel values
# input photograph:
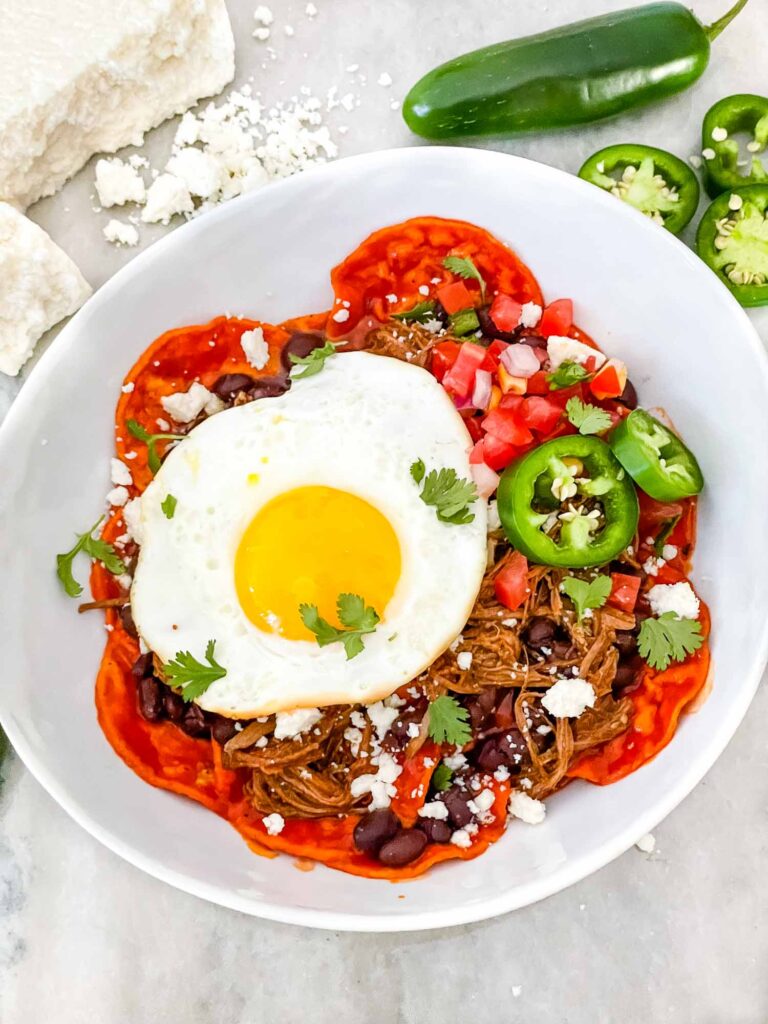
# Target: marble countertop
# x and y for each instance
(679, 937)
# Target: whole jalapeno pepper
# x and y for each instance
(655, 458)
(720, 151)
(732, 239)
(570, 75)
(568, 503)
(655, 182)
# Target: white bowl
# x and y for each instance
(637, 290)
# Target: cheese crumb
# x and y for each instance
(464, 660)
(120, 233)
(290, 724)
(132, 519)
(461, 838)
(382, 717)
(166, 196)
(381, 785)
(118, 496)
(255, 348)
(186, 406)
(674, 597)
(119, 472)
(118, 183)
(526, 808)
(530, 314)
(647, 843)
(341, 316)
(128, 388)
(569, 697)
(263, 15)
(568, 350)
(384, 79)
(274, 823)
(436, 809)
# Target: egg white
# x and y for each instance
(358, 425)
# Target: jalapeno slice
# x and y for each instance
(741, 113)
(568, 503)
(653, 181)
(732, 239)
(655, 458)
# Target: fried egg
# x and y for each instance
(293, 501)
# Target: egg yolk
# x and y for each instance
(308, 546)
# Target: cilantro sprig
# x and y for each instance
(191, 675)
(95, 548)
(418, 314)
(566, 375)
(314, 362)
(168, 506)
(464, 267)
(442, 778)
(448, 493)
(449, 721)
(587, 595)
(358, 618)
(667, 528)
(150, 440)
(588, 419)
(668, 638)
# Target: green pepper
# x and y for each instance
(557, 518)
(655, 458)
(655, 182)
(570, 75)
(732, 239)
(741, 113)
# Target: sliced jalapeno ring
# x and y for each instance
(732, 239)
(557, 518)
(655, 458)
(653, 181)
(723, 162)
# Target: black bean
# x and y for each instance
(489, 328)
(533, 340)
(268, 387)
(126, 617)
(150, 699)
(481, 707)
(174, 705)
(456, 800)
(222, 729)
(540, 632)
(490, 756)
(435, 830)
(405, 847)
(628, 396)
(626, 642)
(300, 344)
(142, 666)
(563, 650)
(626, 568)
(229, 384)
(193, 721)
(628, 677)
(374, 829)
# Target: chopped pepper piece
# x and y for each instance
(556, 518)
(654, 181)
(743, 112)
(655, 458)
(732, 239)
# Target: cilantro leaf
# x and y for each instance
(448, 493)
(442, 777)
(668, 638)
(353, 613)
(168, 505)
(314, 362)
(419, 314)
(566, 375)
(588, 419)
(587, 595)
(449, 721)
(464, 267)
(150, 440)
(95, 548)
(192, 676)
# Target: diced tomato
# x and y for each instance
(455, 297)
(624, 591)
(541, 414)
(474, 428)
(610, 380)
(492, 353)
(511, 584)
(444, 355)
(517, 385)
(476, 455)
(497, 453)
(511, 401)
(460, 379)
(506, 426)
(556, 319)
(506, 313)
(538, 384)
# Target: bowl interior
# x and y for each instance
(637, 290)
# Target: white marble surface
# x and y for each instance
(680, 937)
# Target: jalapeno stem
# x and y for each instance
(713, 31)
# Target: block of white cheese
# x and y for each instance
(87, 76)
(39, 285)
